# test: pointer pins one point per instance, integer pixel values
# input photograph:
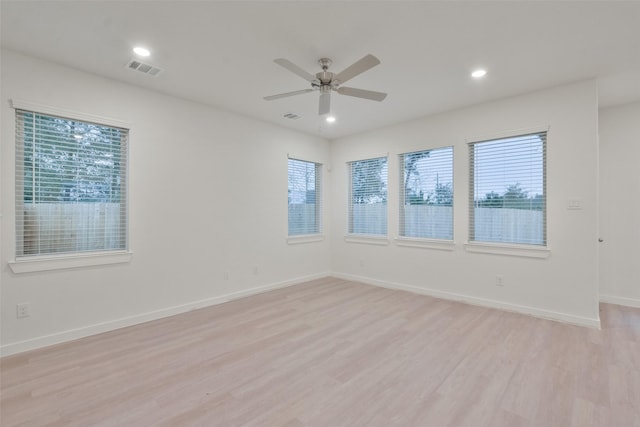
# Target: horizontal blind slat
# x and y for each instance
(368, 196)
(304, 197)
(507, 179)
(426, 194)
(70, 185)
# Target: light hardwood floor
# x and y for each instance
(335, 353)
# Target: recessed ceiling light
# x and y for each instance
(478, 73)
(141, 51)
(330, 119)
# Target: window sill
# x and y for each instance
(366, 239)
(510, 250)
(305, 238)
(46, 263)
(411, 242)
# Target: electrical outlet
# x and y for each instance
(225, 275)
(499, 280)
(255, 270)
(22, 310)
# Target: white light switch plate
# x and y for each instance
(574, 203)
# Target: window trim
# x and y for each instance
(293, 239)
(508, 133)
(527, 251)
(374, 239)
(19, 104)
(298, 239)
(367, 239)
(425, 242)
(505, 248)
(63, 262)
(47, 262)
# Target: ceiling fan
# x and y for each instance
(326, 81)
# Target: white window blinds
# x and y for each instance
(508, 190)
(426, 194)
(71, 186)
(368, 196)
(304, 197)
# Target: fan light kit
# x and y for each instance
(326, 81)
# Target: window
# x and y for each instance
(305, 208)
(71, 182)
(508, 190)
(368, 197)
(426, 194)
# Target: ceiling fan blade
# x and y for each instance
(356, 68)
(295, 69)
(286, 94)
(325, 103)
(361, 93)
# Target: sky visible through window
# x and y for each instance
(302, 181)
(499, 165)
(505, 163)
(433, 169)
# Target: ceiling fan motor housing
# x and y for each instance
(325, 77)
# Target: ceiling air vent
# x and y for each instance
(292, 116)
(143, 68)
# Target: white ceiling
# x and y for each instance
(221, 53)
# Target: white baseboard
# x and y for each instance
(73, 334)
(532, 311)
(627, 302)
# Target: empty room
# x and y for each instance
(319, 213)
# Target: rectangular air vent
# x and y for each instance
(143, 68)
(292, 116)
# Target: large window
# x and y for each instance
(305, 209)
(426, 194)
(368, 197)
(71, 182)
(508, 190)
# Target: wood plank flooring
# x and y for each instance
(335, 353)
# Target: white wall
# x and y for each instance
(563, 286)
(619, 129)
(208, 194)
(185, 155)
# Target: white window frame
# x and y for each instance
(422, 242)
(367, 238)
(318, 235)
(506, 248)
(45, 262)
